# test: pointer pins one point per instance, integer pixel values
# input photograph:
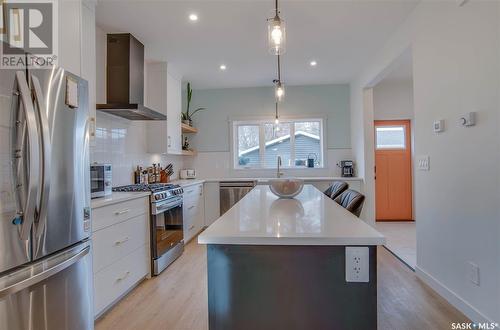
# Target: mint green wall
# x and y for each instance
(329, 101)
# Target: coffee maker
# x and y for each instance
(347, 168)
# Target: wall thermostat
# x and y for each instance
(438, 126)
(469, 119)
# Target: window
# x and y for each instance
(390, 137)
(259, 143)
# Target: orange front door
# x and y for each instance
(393, 181)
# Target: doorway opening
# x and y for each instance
(393, 154)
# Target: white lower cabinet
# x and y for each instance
(114, 281)
(120, 250)
(212, 202)
(193, 210)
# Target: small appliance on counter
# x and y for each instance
(347, 168)
(188, 174)
(100, 180)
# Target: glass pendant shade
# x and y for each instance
(276, 35)
(279, 91)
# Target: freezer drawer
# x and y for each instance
(52, 294)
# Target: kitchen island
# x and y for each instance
(281, 264)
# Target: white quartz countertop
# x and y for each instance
(187, 182)
(117, 197)
(311, 218)
(307, 179)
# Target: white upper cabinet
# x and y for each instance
(163, 93)
(174, 108)
(76, 45)
(88, 59)
(69, 27)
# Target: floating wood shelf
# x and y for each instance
(188, 129)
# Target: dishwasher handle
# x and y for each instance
(237, 184)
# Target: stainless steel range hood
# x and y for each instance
(125, 79)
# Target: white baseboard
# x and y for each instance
(458, 302)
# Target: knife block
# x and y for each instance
(164, 178)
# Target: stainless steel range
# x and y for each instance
(167, 241)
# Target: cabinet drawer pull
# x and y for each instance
(119, 279)
(122, 212)
(190, 191)
(122, 241)
(191, 227)
(191, 207)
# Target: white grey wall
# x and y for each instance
(393, 100)
(456, 64)
(330, 102)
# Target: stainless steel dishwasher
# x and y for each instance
(232, 191)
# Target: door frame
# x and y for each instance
(409, 143)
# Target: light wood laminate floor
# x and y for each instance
(401, 237)
(177, 299)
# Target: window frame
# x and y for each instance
(236, 122)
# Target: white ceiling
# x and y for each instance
(340, 35)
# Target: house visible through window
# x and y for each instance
(257, 144)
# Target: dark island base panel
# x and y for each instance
(287, 287)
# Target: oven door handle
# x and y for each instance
(167, 206)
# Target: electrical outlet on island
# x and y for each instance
(357, 265)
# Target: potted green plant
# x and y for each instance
(187, 117)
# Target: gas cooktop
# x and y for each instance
(153, 187)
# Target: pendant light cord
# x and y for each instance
(279, 69)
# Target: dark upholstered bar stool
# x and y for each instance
(336, 188)
(352, 201)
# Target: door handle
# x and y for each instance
(122, 212)
(121, 241)
(23, 284)
(119, 279)
(44, 138)
(21, 90)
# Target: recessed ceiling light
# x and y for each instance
(223, 67)
(313, 63)
(193, 17)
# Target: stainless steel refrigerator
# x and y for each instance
(45, 259)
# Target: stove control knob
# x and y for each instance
(157, 197)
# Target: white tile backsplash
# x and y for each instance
(218, 165)
(122, 143)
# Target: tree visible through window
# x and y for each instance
(259, 143)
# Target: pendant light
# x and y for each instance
(276, 33)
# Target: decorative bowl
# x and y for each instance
(286, 188)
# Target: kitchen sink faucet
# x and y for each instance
(278, 173)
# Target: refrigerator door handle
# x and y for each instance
(28, 213)
(46, 152)
(36, 278)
